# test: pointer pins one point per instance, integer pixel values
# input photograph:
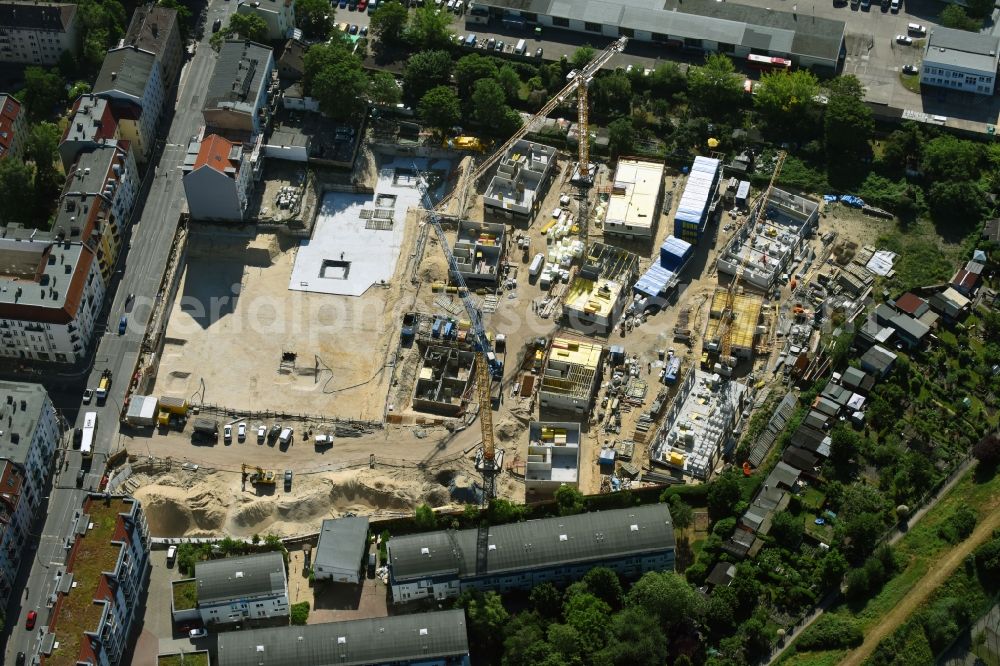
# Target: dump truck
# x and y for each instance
(103, 386)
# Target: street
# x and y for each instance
(140, 273)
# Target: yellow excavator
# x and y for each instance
(259, 477)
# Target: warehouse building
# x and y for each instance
(636, 196)
(691, 26)
(698, 201)
(571, 376)
(522, 179)
(743, 323)
(437, 638)
(960, 60)
(341, 550)
(598, 294)
(767, 247)
(440, 565)
(553, 458)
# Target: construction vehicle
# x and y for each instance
(259, 477)
(206, 426)
(723, 354)
(472, 143)
(103, 386)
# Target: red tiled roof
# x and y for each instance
(910, 303)
(964, 279)
(215, 153)
(9, 110)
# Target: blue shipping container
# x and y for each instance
(674, 253)
(436, 328)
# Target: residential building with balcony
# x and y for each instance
(239, 95)
(279, 15)
(155, 29)
(28, 441)
(237, 589)
(91, 123)
(12, 126)
(99, 590)
(130, 79)
(37, 33)
(217, 178)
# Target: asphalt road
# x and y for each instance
(141, 270)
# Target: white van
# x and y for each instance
(916, 29)
(520, 48)
(537, 264)
(285, 438)
(171, 555)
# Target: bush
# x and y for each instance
(959, 527)
(724, 528)
(300, 613)
(831, 632)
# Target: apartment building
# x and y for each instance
(279, 15)
(12, 127)
(37, 33)
(960, 60)
(636, 196)
(51, 292)
(154, 29)
(217, 179)
(91, 123)
(131, 80)
(28, 440)
(235, 589)
(238, 96)
(98, 591)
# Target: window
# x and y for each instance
(692, 42)
(560, 22)
(626, 32)
(592, 27)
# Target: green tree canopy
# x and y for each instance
(509, 81)
(636, 640)
(589, 616)
(247, 26)
(603, 583)
(847, 124)
(439, 108)
(546, 600)
(383, 90)
(487, 618)
(787, 530)
(471, 68)
(425, 70)
(16, 191)
(336, 79)
(621, 136)
(582, 56)
(667, 597)
(424, 517)
(611, 94)
(681, 514)
(43, 89)
(786, 100)
(723, 495)
(314, 17)
(568, 499)
(524, 641)
(102, 22)
(42, 146)
(388, 22)
(667, 80)
(714, 88)
(949, 158)
(956, 206)
(955, 16)
(429, 28)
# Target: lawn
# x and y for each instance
(911, 82)
(189, 659)
(813, 499)
(185, 594)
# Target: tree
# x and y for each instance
(955, 16)
(621, 136)
(424, 517)
(715, 88)
(247, 26)
(863, 531)
(336, 79)
(299, 613)
(388, 22)
(987, 450)
(383, 90)
(102, 22)
(314, 17)
(425, 70)
(667, 597)
(509, 81)
(611, 94)
(525, 640)
(680, 513)
(667, 80)
(831, 569)
(78, 88)
(589, 616)
(949, 158)
(546, 600)
(987, 559)
(428, 28)
(603, 583)
(582, 56)
(720, 611)
(787, 530)
(488, 103)
(844, 446)
(786, 100)
(472, 68)
(980, 8)
(42, 146)
(43, 89)
(487, 618)
(565, 641)
(831, 631)
(723, 494)
(847, 124)
(956, 206)
(16, 191)
(637, 640)
(569, 500)
(439, 108)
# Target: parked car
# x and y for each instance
(288, 479)
(88, 395)
(362, 5)
(122, 324)
(885, 6)
(855, 4)
(904, 39)
(241, 432)
(227, 433)
(261, 433)
(197, 633)
(538, 53)
(343, 27)
(20, 659)
(364, 30)
(909, 69)
(343, 4)
(80, 477)
(499, 47)
(491, 43)
(29, 622)
(171, 555)
(866, 5)
(916, 29)
(895, 6)
(353, 30)
(216, 24)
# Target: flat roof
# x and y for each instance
(238, 577)
(428, 636)
(21, 406)
(342, 542)
(636, 190)
(151, 27)
(575, 352)
(91, 120)
(51, 292)
(593, 297)
(960, 48)
(125, 70)
(239, 75)
(547, 542)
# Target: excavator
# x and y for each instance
(259, 477)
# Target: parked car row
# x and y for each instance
(471, 41)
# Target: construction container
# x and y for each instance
(675, 253)
(177, 406)
(141, 411)
(206, 426)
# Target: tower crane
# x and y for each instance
(726, 336)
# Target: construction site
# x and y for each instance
(452, 328)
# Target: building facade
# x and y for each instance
(28, 441)
(440, 565)
(99, 591)
(155, 29)
(91, 124)
(130, 79)
(12, 127)
(436, 638)
(960, 60)
(37, 33)
(571, 376)
(279, 15)
(239, 95)
(51, 292)
(217, 179)
(234, 589)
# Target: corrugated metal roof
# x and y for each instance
(342, 543)
(654, 281)
(240, 577)
(398, 639)
(547, 542)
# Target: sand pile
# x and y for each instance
(175, 508)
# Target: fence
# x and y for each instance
(267, 414)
